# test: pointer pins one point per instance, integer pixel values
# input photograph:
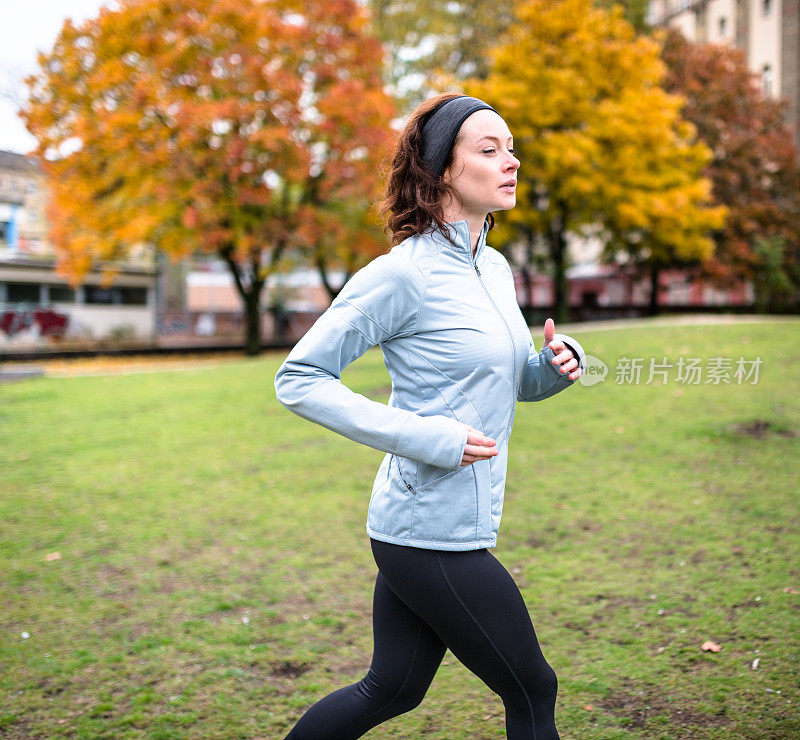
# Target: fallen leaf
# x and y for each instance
(52, 556)
(588, 707)
(712, 646)
(754, 664)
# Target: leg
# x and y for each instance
(474, 605)
(406, 656)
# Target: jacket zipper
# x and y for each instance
(505, 323)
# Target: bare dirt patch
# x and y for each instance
(760, 428)
(282, 673)
(637, 703)
(288, 668)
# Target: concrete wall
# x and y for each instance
(102, 320)
(97, 320)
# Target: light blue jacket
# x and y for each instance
(457, 349)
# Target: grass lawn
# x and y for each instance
(189, 560)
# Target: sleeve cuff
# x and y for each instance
(573, 345)
(436, 440)
(576, 348)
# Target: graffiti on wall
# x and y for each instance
(43, 321)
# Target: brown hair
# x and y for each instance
(414, 195)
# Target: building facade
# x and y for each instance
(36, 304)
(767, 31)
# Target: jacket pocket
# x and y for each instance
(454, 403)
(446, 508)
(417, 475)
(427, 475)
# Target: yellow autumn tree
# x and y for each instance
(603, 147)
(241, 129)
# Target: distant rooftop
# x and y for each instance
(19, 162)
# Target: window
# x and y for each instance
(5, 231)
(23, 293)
(134, 296)
(766, 81)
(117, 295)
(766, 7)
(62, 294)
(723, 23)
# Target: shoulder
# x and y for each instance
(410, 262)
(389, 276)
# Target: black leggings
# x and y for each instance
(425, 602)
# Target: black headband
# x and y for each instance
(439, 131)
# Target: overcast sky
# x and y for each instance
(27, 27)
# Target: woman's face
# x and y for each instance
(483, 164)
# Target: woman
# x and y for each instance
(442, 306)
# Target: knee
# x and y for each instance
(551, 683)
(400, 692)
(407, 700)
(539, 685)
(544, 685)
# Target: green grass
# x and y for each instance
(640, 520)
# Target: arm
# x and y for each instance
(378, 303)
(542, 378)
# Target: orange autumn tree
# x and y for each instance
(249, 130)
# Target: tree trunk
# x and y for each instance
(557, 241)
(280, 322)
(322, 267)
(527, 281)
(525, 269)
(253, 316)
(250, 291)
(655, 270)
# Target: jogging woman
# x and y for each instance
(441, 304)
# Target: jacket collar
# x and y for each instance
(459, 232)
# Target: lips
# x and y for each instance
(510, 183)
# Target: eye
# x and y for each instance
(491, 150)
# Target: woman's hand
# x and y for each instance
(563, 354)
(479, 447)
